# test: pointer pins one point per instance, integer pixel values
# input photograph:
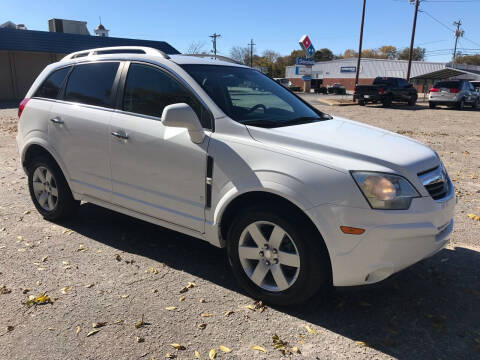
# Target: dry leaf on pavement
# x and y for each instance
(212, 354)
(170, 308)
(225, 349)
(178, 346)
(93, 332)
(310, 330)
(258, 348)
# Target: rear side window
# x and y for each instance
(384, 81)
(448, 84)
(92, 84)
(51, 87)
(148, 90)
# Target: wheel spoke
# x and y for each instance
(256, 235)
(38, 187)
(54, 191)
(40, 175)
(259, 273)
(279, 277)
(43, 199)
(51, 203)
(276, 237)
(289, 259)
(247, 252)
(48, 176)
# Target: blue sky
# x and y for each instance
(273, 24)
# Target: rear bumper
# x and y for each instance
(367, 97)
(393, 240)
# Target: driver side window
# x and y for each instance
(149, 90)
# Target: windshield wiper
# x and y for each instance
(262, 123)
(300, 120)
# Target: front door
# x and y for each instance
(156, 170)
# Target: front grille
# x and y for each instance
(436, 182)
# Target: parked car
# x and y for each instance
(336, 88)
(453, 93)
(321, 90)
(299, 198)
(386, 90)
(283, 81)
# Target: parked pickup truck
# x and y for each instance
(386, 90)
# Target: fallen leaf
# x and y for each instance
(258, 348)
(24, 291)
(197, 354)
(65, 289)
(98, 324)
(190, 285)
(10, 328)
(296, 350)
(26, 212)
(93, 332)
(280, 345)
(183, 290)
(4, 290)
(66, 262)
(170, 308)
(124, 296)
(228, 313)
(178, 346)
(39, 300)
(51, 329)
(361, 343)
(118, 322)
(140, 339)
(19, 238)
(82, 247)
(44, 258)
(225, 349)
(77, 330)
(118, 257)
(182, 298)
(474, 217)
(212, 354)
(202, 301)
(140, 323)
(206, 315)
(153, 270)
(170, 356)
(250, 307)
(310, 330)
(88, 286)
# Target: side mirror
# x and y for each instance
(182, 116)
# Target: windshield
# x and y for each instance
(251, 98)
(448, 84)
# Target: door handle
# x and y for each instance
(120, 134)
(56, 120)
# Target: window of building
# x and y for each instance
(148, 90)
(51, 87)
(92, 83)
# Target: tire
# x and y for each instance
(461, 104)
(302, 281)
(475, 104)
(387, 102)
(412, 101)
(49, 190)
(432, 105)
(361, 102)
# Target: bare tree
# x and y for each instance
(240, 54)
(196, 47)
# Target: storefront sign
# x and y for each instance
(348, 69)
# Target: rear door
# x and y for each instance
(79, 126)
(157, 170)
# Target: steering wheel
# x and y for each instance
(258, 106)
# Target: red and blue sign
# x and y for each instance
(307, 46)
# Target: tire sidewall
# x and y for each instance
(299, 291)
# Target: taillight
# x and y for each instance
(381, 91)
(433, 90)
(454, 90)
(22, 105)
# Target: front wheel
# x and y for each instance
(412, 101)
(49, 190)
(387, 102)
(461, 105)
(277, 258)
(475, 104)
(432, 105)
(361, 102)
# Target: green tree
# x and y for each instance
(349, 53)
(418, 54)
(387, 52)
(468, 59)
(323, 55)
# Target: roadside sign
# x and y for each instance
(348, 69)
(306, 77)
(307, 46)
(303, 70)
(304, 61)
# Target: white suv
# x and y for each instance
(219, 151)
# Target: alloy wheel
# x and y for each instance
(269, 256)
(45, 188)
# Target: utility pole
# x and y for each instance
(251, 52)
(412, 40)
(214, 41)
(458, 33)
(360, 44)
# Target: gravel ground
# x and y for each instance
(103, 267)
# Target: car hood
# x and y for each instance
(349, 145)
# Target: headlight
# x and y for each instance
(385, 191)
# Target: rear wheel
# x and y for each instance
(49, 190)
(361, 102)
(277, 258)
(432, 105)
(461, 105)
(475, 104)
(412, 101)
(387, 102)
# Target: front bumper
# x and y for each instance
(393, 240)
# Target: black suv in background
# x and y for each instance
(386, 90)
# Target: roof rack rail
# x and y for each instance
(116, 50)
(218, 57)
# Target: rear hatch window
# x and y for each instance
(447, 84)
